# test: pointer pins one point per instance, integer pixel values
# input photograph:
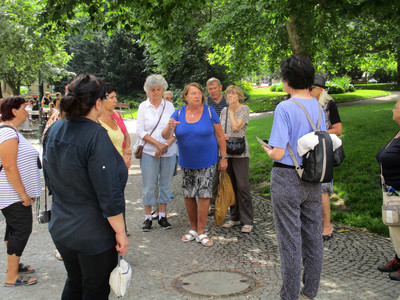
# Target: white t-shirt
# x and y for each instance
(27, 166)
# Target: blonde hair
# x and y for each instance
(324, 97)
(237, 90)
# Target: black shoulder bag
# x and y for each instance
(234, 145)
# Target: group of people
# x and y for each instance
(87, 155)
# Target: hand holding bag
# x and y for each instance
(234, 145)
(120, 277)
(139, 148)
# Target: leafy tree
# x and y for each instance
(24, 47)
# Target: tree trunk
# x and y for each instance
(15, 86)
(294, 38)
(1, 91)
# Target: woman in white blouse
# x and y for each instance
(20, 185)
(159, 155)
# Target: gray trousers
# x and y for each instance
(297, 214)
(238, 170)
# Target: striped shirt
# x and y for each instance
(28, 170)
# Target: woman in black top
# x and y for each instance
(389, 158)
(87, 177)
(333, 126)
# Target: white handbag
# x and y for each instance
(120, 277)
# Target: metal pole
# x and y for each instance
(40, 90)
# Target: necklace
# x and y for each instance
(12, 125)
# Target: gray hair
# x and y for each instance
(153, 81)
(212, 80)
(168, 92)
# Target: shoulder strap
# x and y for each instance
(157, 122)
(226, 120)
(308, 116)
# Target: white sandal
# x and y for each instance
(190, 236)
(203, 239)
(230, 224)
(247, 228)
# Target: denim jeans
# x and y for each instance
(153, 169)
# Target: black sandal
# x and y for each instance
(21, 281)
(25, 269)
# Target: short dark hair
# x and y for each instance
(298, 72)
(110, 88)
(8, 104)
(81, 96)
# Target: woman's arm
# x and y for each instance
(236, 124)
(169, 129)
(219, 134)
(274, 153)
(336, 129)
(8, 153)
(117, 223)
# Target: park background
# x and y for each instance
(44, 44)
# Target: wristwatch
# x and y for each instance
(223, 157)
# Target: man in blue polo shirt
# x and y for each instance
(217, 101)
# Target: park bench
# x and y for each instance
(120, 106)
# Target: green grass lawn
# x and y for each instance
(262, 99)
(357, 200)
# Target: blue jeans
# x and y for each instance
(153, 169)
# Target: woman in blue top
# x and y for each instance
(200, 137)
(87, 176)
(296, 203)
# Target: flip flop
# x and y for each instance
(25, 269)
(21, 281)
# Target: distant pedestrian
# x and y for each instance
(389, 158)
(296, 203)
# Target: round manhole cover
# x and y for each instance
(215, 283)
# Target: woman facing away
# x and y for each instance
(87, 177)
(234, 121)
(333, 126)
(296, 203)
(200, 138)
(158, 158)
(20, 185)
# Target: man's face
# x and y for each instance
(214, 90)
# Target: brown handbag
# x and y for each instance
(139, 149)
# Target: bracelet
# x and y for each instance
(223, 157)
(166, 144)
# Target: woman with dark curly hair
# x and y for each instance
(87, 176)
(296, 203)
(20, 185)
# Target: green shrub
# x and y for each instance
(339, 85)
(277, 87)
(244, 85)
(352, 88)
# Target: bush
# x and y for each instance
(352, 88)
(244, 85)
(339, 85)
(277, 87)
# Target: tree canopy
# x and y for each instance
(246, 36)
(24, 47)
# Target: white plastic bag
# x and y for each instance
(120, 277)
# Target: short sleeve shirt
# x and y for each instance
(290, 123)
(218, 107)
(243, 113)
(198, 147)
(27, 166)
